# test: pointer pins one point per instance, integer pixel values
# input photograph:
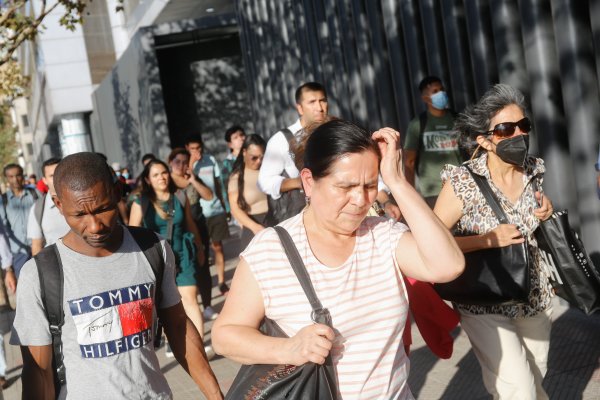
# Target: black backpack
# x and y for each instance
(50, 272)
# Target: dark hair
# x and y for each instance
(309, 87)
(102, 155)
(148, 156)
(147, 189)
(82, 171)
(239, 167)
(428, 80)
(332, 140)
(233, 130)
(177, 151)
(475, 119)
(194, 138)
(48, 163)
(11, 166)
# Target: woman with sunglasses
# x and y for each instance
(511, 342)
(248, 203)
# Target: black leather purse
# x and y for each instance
(305, 382)
(496, 276)
(572, 273)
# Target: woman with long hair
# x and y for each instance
(195, 189)
(248, 203)
(163, 209)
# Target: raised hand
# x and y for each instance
(388, 141)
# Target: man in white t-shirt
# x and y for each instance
(311, 104)
(108, 302)
(312, 107)
(46, 224)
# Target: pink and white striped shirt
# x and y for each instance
(365, 296)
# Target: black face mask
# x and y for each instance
(513, 150)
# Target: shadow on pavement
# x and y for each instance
(574, 357)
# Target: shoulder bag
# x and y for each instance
(572, 273)
(305, 382)
(496, 276)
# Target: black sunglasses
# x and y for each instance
(506, 129)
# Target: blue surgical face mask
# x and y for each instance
(439, 100)
(125, 175)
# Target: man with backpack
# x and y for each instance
(46, 224)
(430, 140)
(278, 176)
(87, 306)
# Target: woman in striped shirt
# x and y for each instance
(352, 261)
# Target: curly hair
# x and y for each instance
(475, 119)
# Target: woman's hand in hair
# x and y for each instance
(388, 141)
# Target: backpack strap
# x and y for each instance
(50, 272)
(422, 126)
(33, 193)
(289, 136)
(38, 209)
(150, 245)
(144, 203)
(422, 123)
(4, 207)
(182, 197)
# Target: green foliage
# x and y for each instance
(8, 143)
(18, 23)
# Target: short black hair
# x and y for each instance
(194, 138)
(309, 87)
(11, 166)
(81, 171)
(233, 130)
(428, 80)
(147, 156)
(48, 163)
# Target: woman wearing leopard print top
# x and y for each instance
(511, 342)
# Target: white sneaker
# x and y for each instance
(168, 351)
(210, 314)
(210, 353)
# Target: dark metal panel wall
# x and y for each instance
(371, 55)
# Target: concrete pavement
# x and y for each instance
(573, 370)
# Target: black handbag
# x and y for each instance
(496, 276)
(305, 382)
(572, 273)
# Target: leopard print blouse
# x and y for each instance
(478, 218)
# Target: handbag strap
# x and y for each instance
(170, 217)
(319, 314)
(489, 195)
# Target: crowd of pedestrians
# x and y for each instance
(363, 215)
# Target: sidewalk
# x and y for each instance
(573, 370)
